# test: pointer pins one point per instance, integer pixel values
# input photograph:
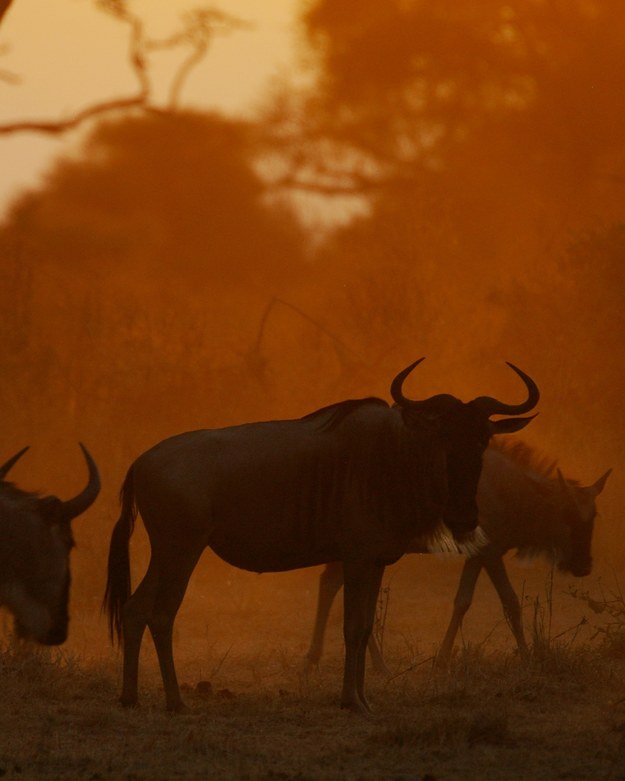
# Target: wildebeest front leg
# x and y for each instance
(173, 577)
(362, 583)
(496, 570)
(462, 602)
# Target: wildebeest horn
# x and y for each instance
(4, 469)
(396, 385)
(491, 406)
(85, 498)
(442, 399)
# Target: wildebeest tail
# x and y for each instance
(117, 590)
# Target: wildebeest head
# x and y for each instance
(35, 543)
(577, 518)
(464, 430)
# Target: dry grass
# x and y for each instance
(253, 715)
(489, 717)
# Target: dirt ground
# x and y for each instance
(255, 715)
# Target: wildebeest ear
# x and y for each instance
(596, 488)
(509, 425)
(51, 509)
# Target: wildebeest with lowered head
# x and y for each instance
(35, 544)
(353, 482)
(524, 503)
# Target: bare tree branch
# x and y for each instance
(344, 353)
(57, 127)
(324, 180)
(9, 77)
(200, 27)
(355, 186)
(4, 7)
(137, 60)
(5, 75)
(202, 24)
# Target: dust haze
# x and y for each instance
(453, 185)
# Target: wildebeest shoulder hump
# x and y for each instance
(334, 414)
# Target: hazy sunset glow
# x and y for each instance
(67, 54)
(272, 218)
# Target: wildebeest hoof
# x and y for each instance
(178, 707)
(307, 664)
(361, 712)
(441, 663)
(358, 707)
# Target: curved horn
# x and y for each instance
(4, 469)
(438, 403)
(440, 400)
(396, 385)
(85, 498)
(491, 406)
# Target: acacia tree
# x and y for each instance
(482, 134)
(504, 110)
(134, 282)
(485, 141)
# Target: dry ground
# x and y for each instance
(490, 717)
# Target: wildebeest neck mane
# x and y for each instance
(333, 415)
(391, 471)
(528, 458)
(536, 502)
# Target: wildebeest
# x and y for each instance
(35, 544)
(525, 503)
(353, 482)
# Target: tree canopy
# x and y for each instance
(507, 109)
(171, 195)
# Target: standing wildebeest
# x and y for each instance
(353, 482)
(524, 503)
(35, 543)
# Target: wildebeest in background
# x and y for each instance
(355, 482)
(524, 503)
(35, 543)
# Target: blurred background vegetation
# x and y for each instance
(448, 181)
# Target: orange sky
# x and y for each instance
(68, 54)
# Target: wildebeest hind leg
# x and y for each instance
(377, 659)
(330, 581)
(496, 570)
(174, 572)
(462, 602)
(362, 584)
(136, 613)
